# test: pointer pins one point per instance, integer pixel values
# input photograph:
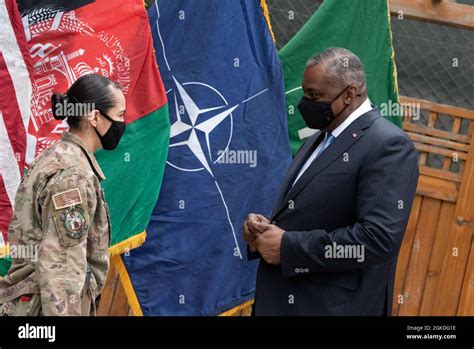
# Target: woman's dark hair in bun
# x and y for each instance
(92, 90)
(58, 99)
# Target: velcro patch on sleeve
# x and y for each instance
(67, 198)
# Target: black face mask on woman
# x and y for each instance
(111, 138)
(318, 115)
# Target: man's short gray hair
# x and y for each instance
(343, 68)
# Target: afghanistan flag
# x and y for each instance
(228, 152)
(360, 26)
(71, 38)
(15, 94)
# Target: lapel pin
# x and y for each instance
(354, 135)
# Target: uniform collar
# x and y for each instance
(68, 136)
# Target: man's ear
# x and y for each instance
(93, 117)
(351, 93)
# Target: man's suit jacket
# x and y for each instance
(358, 192)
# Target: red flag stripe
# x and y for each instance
(15, 138)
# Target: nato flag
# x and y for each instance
(228, 152)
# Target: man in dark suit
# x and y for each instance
(331, 244)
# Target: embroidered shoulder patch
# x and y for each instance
(67, 198)
(74, 222)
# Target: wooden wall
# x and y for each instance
(435, 272)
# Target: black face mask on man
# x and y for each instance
(111, 138)
(318, 115)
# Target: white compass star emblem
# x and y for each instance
(193, 111)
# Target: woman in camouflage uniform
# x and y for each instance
(60, 211)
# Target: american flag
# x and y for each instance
(15, 95)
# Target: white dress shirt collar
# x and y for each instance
(363, 108)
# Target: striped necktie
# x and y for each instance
(327, 142)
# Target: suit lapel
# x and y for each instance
(344, 141)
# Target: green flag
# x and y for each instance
(134, 172)
(360, 26)
(4, 265)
